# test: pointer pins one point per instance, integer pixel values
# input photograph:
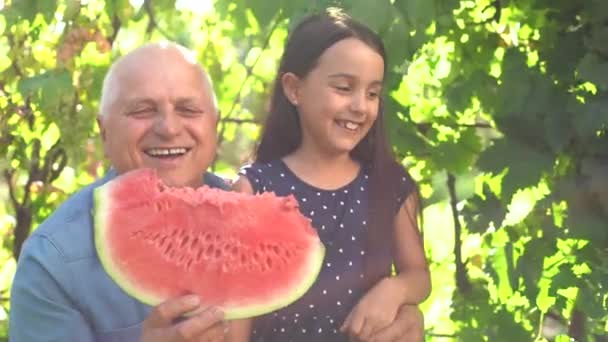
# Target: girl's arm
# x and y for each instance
(240, 330)
(413, 281)
(242, 185)
(379, 307)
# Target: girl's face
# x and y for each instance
(338, 101)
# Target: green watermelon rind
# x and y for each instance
(100, 195)
(315, 263)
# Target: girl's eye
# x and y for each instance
(343, 88)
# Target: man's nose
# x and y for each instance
(167, 123)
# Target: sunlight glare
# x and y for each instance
(136, 3)
(196, 6)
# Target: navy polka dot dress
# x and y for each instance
(340, 217)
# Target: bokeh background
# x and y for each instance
(499, 108)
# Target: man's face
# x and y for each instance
(163, 117)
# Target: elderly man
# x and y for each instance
(158, 110)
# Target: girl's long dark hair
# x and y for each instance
(282, 134)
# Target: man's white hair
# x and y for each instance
(110, 88)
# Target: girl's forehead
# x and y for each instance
(352, 57)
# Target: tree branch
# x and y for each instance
(577, 329)
(240, 121)
(8, 176)
(13, 44)
(476, 125)
(153, 24)
(462, 280)
(441, 335)
(115, 28)
(249, 71)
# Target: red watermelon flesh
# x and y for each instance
(247, 254)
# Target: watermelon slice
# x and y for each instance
(247, 254)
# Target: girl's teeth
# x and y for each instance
(351, 125)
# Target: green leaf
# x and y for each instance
(558, 130)
(92, 80)
(52, 89)
(597, 11)
(564, 56)
(530, 265)
(162, 5)
(564, 279)
(597, 182)
(396, 42)
(562, 338)
(593, 118)
(587, 223)
(264, 11)
(525, 165)
(293, 8)
(502, 267)
(591, 301)
(420, 13)
(545, 301)
(236, 12)
(480, 211)
(597, 42)
(457, 156)
(594, 69)
(516, 85)
(505, 327)
(124, 10)
(542, 94)
(458, 94)
(376, 14)
(72, 10)
(28, 9)
(465, 190)
(403, 133)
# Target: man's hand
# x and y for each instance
(376, 310)
(204, 326)
(408, 326)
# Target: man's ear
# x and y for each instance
(102, 129)
(291, 83)
(218, 117)
(102, 133)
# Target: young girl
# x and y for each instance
(325, 143)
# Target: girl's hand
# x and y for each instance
(376, 310)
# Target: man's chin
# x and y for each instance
(177, 181)
(172, 176)
(180, 183)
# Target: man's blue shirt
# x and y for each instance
(61, 292)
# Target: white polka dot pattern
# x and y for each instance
(341, 218)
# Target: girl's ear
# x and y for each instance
(290, 83)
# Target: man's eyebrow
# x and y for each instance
(350, 76)
(186, 101)
(136, 101)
